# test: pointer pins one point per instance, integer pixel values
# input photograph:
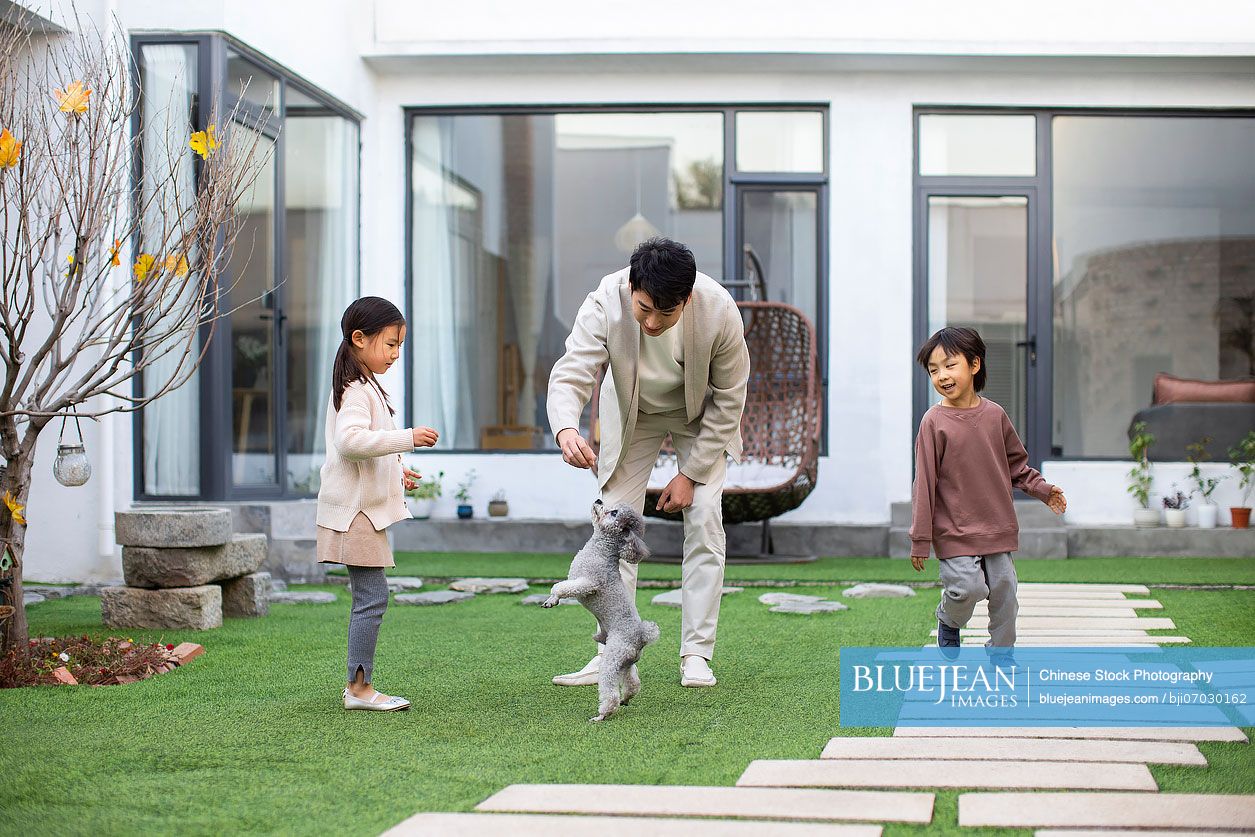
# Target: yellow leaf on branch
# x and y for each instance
(114, 258)
(10, 149)
(73, 99)
(15, 508)
(204, 142)
(177, 265)
(143, 266)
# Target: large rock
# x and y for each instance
(172, 526)
(195, 608)
(872, 590)
(192, 566)
(490, 585)
(248, 595)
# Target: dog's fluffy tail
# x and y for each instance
(649, 632)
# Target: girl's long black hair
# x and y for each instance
(369, 315)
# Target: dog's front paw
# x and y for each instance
(552, 601)
(598, 718)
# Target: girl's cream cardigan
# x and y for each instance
(363, 468)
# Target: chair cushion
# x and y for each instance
(746, 475)
(1172, 390)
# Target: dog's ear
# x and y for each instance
(634, 549)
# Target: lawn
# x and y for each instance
(249, 737)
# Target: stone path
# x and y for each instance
(859, 783)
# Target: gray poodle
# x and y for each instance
(594, 580)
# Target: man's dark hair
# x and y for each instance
(957, 340)
(664, 269)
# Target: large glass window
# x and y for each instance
(515, 219)
(171, 424)
(1154, 256)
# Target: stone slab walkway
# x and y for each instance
(1040, 749)
(1108, 810)
(566, 825)
(1063, 600)
(695, 801)
(1107, 733)
(927, 773)
(1151, 623)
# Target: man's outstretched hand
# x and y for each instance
(575, 450)
(677, 496)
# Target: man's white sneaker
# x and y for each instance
(695, 672)
(586, 676)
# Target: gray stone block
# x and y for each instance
(152, 567)
(172, 526)
(248, 595)
(1127, 541)
(295, 561)
(194, 608)
(489, 585)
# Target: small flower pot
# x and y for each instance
(498, 508)
(1207, 514)
(1174, 518)
(1146, 518)
(420, 507)
(1241, 516)
(465, 511)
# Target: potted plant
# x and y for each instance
(1174, 506)
(1203, 486)
(1243, 458)
(422, 498)
(465, 510)
(1140, 478)
(498, 506)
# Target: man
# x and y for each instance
(675, 345)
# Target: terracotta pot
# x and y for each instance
(498, 508)
(1241, 516)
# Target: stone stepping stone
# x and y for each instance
(878, 591)
(1113, 733)
(541, 598)
(1126, 633)
(957, 773)
(1090, 604)
(1029, 610)
(401, 583)
(1108, 810)
(808, 607)
(432, 597)
(1024, 592)
(1143, 623)
(781, 598)
(1096, 640)
(696, 801)
(1105, 588)
(1032, 749)
(302, 597)
(569, 825)
(29, 598)
(672, 598)
(489, 586)
(1119, 832)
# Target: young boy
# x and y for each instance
(967, 460)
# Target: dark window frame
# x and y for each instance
(1039, 416)
(215, 444)
(732, 181)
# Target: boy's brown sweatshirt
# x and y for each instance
(966, 463)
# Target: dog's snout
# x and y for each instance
(597, 502)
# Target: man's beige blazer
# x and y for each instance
(716, 370)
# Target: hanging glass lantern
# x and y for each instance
(71, 467)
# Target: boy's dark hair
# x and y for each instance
(957, 340)
(664, 269)
(370, 315)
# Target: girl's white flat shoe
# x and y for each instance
(379, 702)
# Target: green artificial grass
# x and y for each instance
(837, 570)
(250, 737)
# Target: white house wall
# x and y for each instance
(870, 349)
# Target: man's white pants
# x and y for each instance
(705, 544)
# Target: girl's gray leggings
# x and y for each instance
(370, 600)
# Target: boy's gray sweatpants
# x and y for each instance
(966, 580)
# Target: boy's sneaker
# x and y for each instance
(948, 640)
(1002, 658)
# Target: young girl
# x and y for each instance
(967, 459)
(362, 481)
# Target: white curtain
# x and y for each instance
(171, 423)
(444, 328)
